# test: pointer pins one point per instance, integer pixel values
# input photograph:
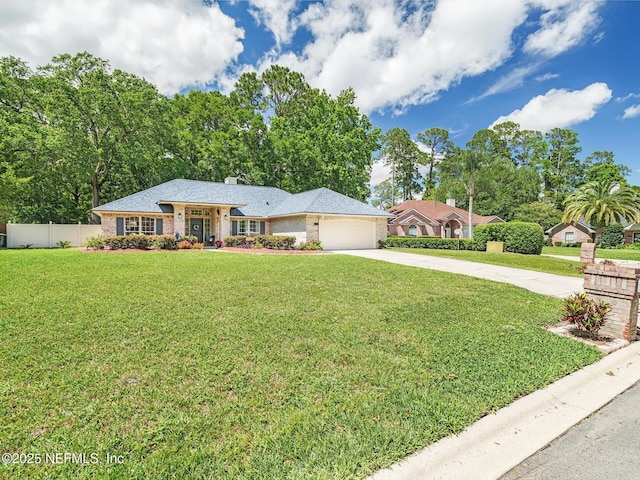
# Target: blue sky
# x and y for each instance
(456, 64)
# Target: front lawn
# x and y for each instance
(537, 263)
(610, 253)
(201, 364)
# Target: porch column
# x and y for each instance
(225, 222)
(179, 219)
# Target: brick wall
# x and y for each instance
(578, 235)
(293, 226)
(108, 223)
(381, 229)
(618, 286)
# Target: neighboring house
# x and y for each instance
(583, 232)
(571, 232)
(212, 211)
(419, 218)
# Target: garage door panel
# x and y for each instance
(346, 234)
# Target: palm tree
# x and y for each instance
(602, 203)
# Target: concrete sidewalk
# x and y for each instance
(495, 444)
(544, 283)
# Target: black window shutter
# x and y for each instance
(234, 227)
(158, 226)
(262, 228)
(119, 226)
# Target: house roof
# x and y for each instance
(325, 201)
(245, 200)
(441, 211)
(580, 225)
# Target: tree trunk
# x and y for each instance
(470, 216)
(95, 198)
(599, 234)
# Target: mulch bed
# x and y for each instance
(258, 251)
(268, 251)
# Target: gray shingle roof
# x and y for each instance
(246, 200)
(325, 201)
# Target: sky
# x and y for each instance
(462, 65)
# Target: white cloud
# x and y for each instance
(172, 43)
(631, 112)
(546, 76)
(379, 173)
(565, 25)
(276, 16)
(395, 56)
(508, 82)
(628, 97)
(559, 108)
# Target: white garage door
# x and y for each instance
(347, 234)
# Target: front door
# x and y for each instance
(196, 228)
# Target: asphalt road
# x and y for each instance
(606, 445)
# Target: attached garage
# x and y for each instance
(347, 233)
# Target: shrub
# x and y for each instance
(613, 235)
(437, 243)
(518, 237)
(274, 242)
(235, 240)
(583, 311)
(138, 241)
(116, 243)
(64, 244)
(163, 242)
(183, 245)
(95, 243)
(311, 245)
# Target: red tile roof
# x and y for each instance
(438, 211)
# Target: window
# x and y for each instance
(248, 227)
(197, 213)
(137, 225)
(413, 230)
(636, 237)
(568, 237)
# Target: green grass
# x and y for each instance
(527, 262)
(610, 253)
(211, 365)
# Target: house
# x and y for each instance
(571, 232)
(211, 211)
(582, 231)
(435, 219)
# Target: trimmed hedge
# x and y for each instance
(274, 242)
(518, 237)
(436, 243)
(139, 242)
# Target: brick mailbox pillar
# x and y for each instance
(588, 253)
(617, 286)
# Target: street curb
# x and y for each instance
(498, 442)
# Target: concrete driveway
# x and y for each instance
(544, 283)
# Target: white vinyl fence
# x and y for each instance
(48, 235)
